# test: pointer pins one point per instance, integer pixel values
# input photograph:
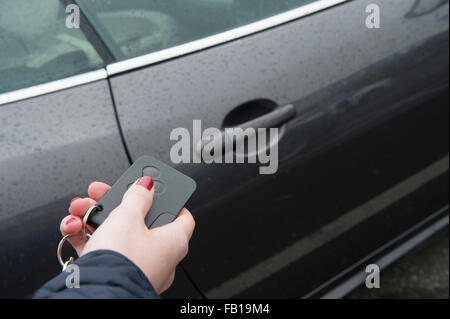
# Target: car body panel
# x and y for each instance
(52, 147)
(342, 80)
(371, 105)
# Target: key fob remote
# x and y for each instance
(172, 190)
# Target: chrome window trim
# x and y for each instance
(53, 86)
(166, 54)
(197, 45)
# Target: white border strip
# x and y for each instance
(223, 37)
(52, 86)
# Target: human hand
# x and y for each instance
(156, 252)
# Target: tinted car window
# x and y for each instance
(37, 47)
(136, 27)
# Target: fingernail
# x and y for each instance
(71, 220)
(145, 181)
(74, 199)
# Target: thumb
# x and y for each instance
(139, 197)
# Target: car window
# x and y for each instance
(136, 27)
(37, 47)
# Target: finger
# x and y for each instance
(184, 222)
(175, 235)
(72, 225)
(97, 190)
(138, 198)
(79, 207)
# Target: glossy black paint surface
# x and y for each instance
(352, 140)
(329, 165)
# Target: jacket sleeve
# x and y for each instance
(102, 274)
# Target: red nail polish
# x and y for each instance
(74, 199)
(71, 220)
(145, 181)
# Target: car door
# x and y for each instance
(58, 132)
(229, 62)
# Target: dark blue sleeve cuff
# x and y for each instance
(102, 274)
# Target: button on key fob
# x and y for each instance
(172, 190)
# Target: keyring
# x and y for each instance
(63, 263)
(85, 233)
(85, 230)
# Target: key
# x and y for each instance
(172, 191)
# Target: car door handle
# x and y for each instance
(273, 119)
